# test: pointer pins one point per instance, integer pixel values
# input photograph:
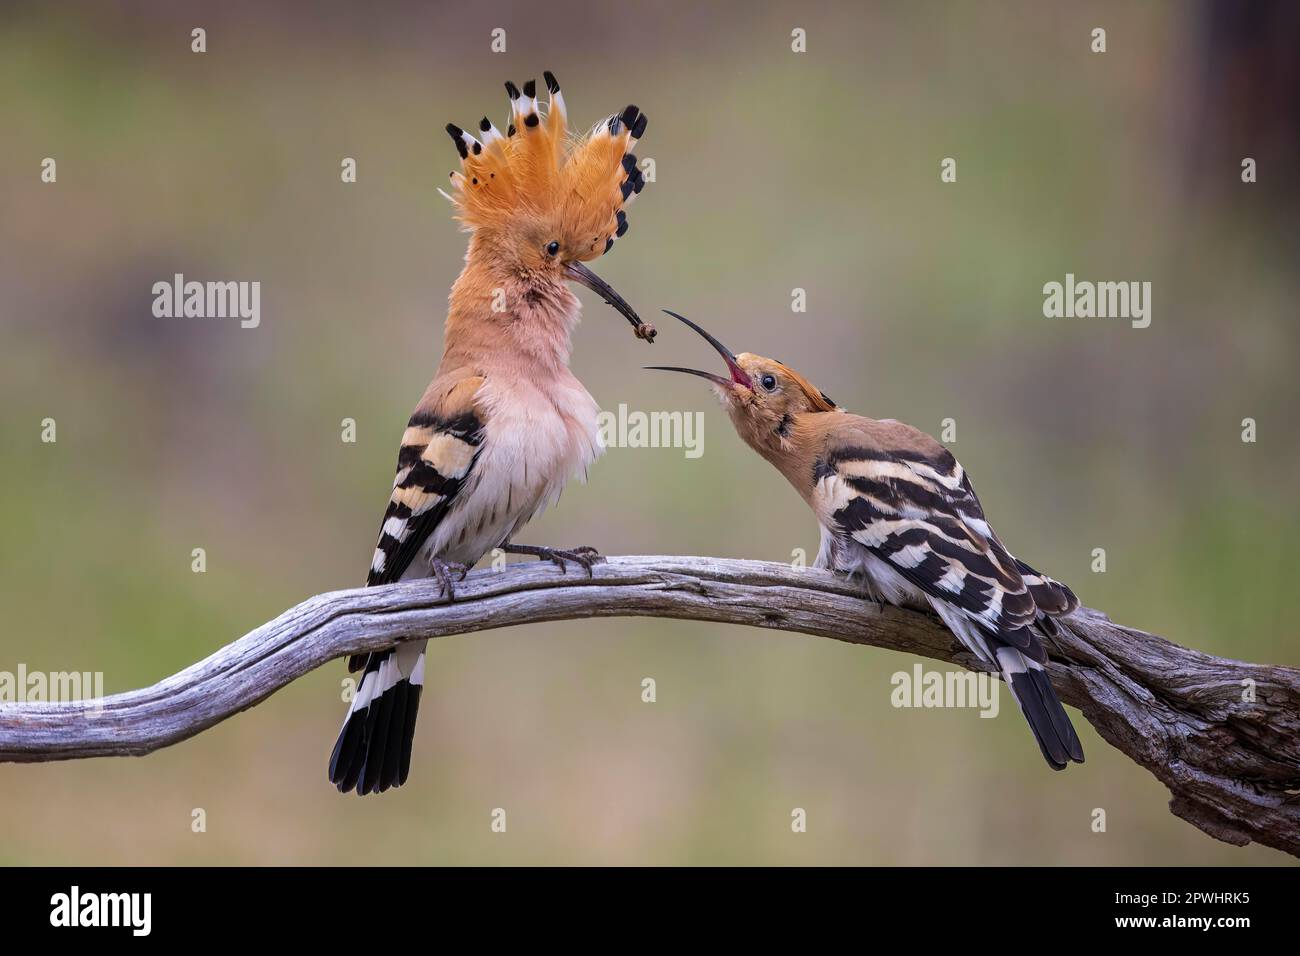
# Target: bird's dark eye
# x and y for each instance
(769, 382)
(553, 249)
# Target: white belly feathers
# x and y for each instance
(534, 441)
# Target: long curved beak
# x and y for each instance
(579, 273)
(738, 376)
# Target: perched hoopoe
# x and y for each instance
(895, 507)
(504, 423)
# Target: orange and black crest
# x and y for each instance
(576, 186)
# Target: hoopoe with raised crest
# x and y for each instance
(897, 509)
(504, 423)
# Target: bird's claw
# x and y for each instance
(443, 570)
(583, 555)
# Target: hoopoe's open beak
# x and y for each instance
(579, 273)
(738, 376)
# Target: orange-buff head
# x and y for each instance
(765, 398)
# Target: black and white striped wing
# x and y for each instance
(911, 506)
(436, 458)
(917, 512)
(438, 452)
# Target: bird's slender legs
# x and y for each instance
(443, 570)
(583, 554)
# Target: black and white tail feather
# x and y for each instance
(1021, 661)
(373, 750)
(906, 518)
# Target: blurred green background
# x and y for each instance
(775, 170)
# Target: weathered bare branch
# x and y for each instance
(1231, 762)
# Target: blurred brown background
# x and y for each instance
(775, 170)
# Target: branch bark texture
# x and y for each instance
(1222, 735)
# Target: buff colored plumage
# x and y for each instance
(504, 423)
(898, 511)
